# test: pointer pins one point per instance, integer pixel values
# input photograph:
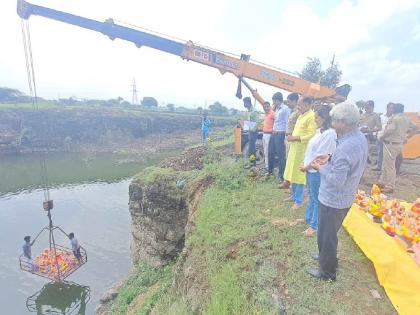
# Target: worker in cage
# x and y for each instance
(75, 247)
(27, 251)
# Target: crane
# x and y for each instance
(241, 67)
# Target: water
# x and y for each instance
(94, 207)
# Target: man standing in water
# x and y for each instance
(75, 247)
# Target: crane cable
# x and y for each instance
(30, 70)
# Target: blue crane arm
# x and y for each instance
(108, 28)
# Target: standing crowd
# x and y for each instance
(326, 148)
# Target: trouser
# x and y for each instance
(372, 151)
(277, 150)
(77, 254)
(266, 146)
(380, 149)
(329, 223)
(297, 193)
(313, 181)
(398, 160)
(388, 174)
(204, 135)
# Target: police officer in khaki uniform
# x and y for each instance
(397, 130)
(370, 124)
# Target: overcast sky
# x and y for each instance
(376, 42)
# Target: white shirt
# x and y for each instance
(320, 144)
(384, 121)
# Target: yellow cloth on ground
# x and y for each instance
(396, 270)
(305, 128)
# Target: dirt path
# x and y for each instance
(407, 184)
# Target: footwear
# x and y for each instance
(284, 185)
(316, 257)
(288, 199)
(309, 232)
(316, 273)
(297, 206)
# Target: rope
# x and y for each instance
(30, 70)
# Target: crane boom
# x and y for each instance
(240, 67)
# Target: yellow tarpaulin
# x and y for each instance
(396, 270)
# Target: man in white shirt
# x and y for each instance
(75, 247)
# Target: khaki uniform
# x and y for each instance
(373, 122)
(393, 138)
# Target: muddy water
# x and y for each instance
(90, 199)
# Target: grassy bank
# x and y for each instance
(252, 258)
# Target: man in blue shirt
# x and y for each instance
(205, 126)
(340, 177)
(277, 147)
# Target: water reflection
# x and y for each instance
(62, 298)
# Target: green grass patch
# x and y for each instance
(255, 267)
(143, 277)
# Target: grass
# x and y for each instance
(143, 277)
(252, 266)
(245, 264)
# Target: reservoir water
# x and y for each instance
(90, 199)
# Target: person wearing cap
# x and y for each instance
(370, 124)
(340, 177)
(278, 146)
(397, 130)
(291, 103)
(304, 130)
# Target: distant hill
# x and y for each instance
(8, 95)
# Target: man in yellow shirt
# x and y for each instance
(304, 130)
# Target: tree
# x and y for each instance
(170, 107)
(233, 111)
(331, 76)
(312, 71)
(149, 101)
(218, 109)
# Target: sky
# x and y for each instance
(375, 42)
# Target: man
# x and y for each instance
(268, 123)
(370, 124)
(205, 126)
(384, 120)
(291, 102)
(27, 248)
(304, 130)
(27, 252)
(75, 247)
(340, 177)
(250, 129)
(397, 130)
(278, 146)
